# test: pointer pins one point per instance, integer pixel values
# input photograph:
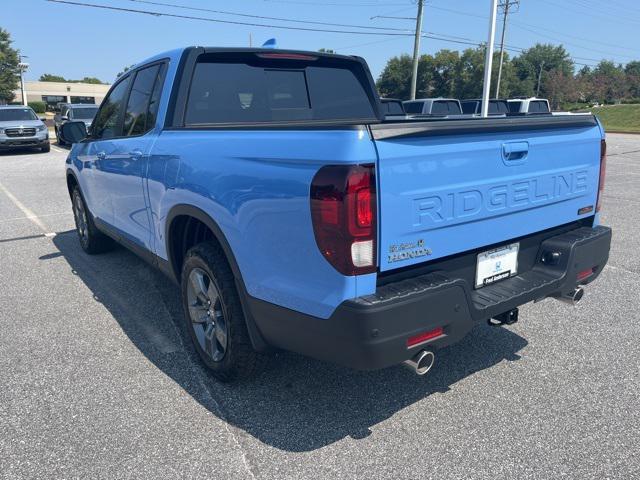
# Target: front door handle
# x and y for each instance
(101, 155)
(135, 154)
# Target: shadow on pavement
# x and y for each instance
(295, 403)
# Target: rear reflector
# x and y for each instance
(423, 337)
(584, 274)
(603, 172)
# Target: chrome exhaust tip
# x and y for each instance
(573, 297)
(422, 362)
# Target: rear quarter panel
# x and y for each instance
(255, 185)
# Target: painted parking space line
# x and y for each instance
(56, 149)
(27, 212)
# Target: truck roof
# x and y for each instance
(8, 107)
(177, 53)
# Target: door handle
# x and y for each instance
(135, 154)
(101, 155)
(515, 151)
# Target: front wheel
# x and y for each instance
(214, 315)
(46, 148)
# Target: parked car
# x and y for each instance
(20, 127)
(528, 105)
(393, 109)
(269, 186)
(433, 106)
(70, 112)
(474, 106)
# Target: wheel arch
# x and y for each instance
(181, 211)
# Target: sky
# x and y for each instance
(76, 41)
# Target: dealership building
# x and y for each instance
(53, 93)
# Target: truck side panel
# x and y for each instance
(255, 185)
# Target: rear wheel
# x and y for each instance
(214, 315)
(91, 239)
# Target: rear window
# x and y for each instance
(259, 91)
(413, 107)
(538, 106)
(469, 107)
(445, 107)
(498, 106)
(514, 107)
(392, 108)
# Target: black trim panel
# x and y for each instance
(371, 332)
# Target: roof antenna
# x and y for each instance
(271, 43)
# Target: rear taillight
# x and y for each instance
(343, 211)
(603, 172)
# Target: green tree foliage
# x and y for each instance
(9, 74)
(38, 106)
(48, 77)
(460, 75)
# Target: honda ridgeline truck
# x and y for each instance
(268, 185)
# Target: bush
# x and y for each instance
(38, 107)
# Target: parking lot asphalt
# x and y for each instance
(98, 379)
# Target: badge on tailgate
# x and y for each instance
(497, 264)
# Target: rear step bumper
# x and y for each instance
(371, 332)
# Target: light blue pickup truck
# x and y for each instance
(268, 185)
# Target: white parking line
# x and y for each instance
(28, 213)
(56, 149)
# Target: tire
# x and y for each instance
(58, 139)
(213, 314)
(91, 239)
(46, 148)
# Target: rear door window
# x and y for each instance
(140, 114)
(497, 107)
(262, 92)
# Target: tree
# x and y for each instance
(609, 82)
(395, 79)
(125, 70)
(9, 73)
(632, 71)
(536, 62)
(48, 77)
(94, 80)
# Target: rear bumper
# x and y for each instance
(371, 332)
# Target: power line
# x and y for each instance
(246, 15)
(287, 27)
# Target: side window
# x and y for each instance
(142, 105)
(107, 122)
(413, 107)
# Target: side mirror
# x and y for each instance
(65, 118)
(73, 132)
(43, 119)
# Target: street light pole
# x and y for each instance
(23, 67)
(416, 51)
(488, 61)
(505, 4)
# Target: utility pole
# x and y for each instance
(488, 60)
(539, 78)
(22, 66)
(504, 5)
(416, 50)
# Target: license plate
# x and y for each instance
(497, 264)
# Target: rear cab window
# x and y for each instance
(413, 107)
(257, 88)
(445, 107)
(538, 106)
(392, 108)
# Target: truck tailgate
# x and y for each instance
(450, 187)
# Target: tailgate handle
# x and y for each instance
(515, 151)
